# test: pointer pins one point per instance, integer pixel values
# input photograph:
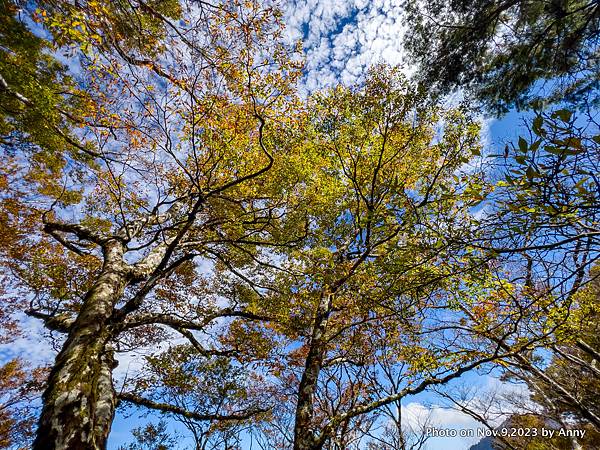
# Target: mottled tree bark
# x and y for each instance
(304, 437)
(79, 401)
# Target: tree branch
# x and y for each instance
(168, 408)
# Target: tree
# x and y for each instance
(559, 371)
(504, 50)
(351, 302)
(542, 216)
(168, 166)
(394, 431)
(536, 55)
(506, 312)
(568, 401)
(577, 346)
(543, 213)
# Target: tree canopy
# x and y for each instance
(288, 268)
(510, 53)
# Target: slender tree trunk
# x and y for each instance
(304, 438)
(79, 401)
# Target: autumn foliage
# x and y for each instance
(284, 267)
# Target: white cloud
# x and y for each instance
(415, 414)
(342, 39)
(33, 344)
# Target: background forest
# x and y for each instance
(299, 225)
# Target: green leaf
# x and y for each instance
(562, 114)
(535, 145)
(522, 145)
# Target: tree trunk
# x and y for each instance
(304, 437)
(79, 400)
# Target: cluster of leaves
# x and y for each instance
(504, 50)
(151, 437)
(19, 387)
